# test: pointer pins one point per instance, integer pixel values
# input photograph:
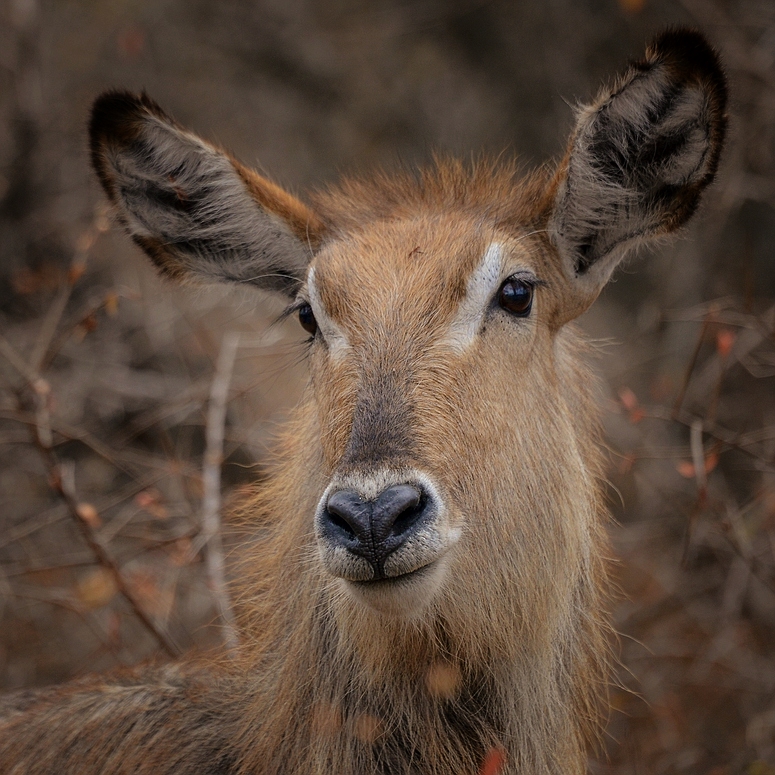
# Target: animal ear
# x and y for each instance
(639, 159)
(196, 211)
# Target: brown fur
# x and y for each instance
(507, 647)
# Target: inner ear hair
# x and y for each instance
(194, 209)
(642, 153)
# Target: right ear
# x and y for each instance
(639, 160)
(195, 210)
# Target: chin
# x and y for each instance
(405, 596)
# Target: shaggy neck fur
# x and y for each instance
(353, 691)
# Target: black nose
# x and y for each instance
(373, 529)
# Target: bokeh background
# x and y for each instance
(107, 373)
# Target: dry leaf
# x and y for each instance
(111, 303)
(367, 728)
(75, 272)
(88, 514)
(687, 470)
(180, 552)
(632, 6)
(725, 340)
(152, 597)
(150, 501)
(443, 680)
(326, 718)
(89, 323)
(628, 399)
(96, 588)
(494, 762)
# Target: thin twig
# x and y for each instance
(40, 388)
(698, 456)
(124, 460)
(692, 362)
(211, 480)
(64, 483)
(49, 327)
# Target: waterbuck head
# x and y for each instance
(447, 449)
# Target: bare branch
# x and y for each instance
(64, 483)
(62, 477)
(49, 327)
(211, 478)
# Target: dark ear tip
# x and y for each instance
(116, 120)
(116, 115)
(691, 57)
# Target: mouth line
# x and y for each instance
(394, 581)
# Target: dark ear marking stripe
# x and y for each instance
(642, 154)
(194, 209)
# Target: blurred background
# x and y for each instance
(111, 381)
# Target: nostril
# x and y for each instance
(341, 523)
(408, 517)
(346, 512)
(397, 510)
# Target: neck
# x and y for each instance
(333, 686)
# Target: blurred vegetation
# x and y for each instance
(106, 372)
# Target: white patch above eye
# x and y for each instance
(481, 287)
(334, 337)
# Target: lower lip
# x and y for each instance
(404, 578)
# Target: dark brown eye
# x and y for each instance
(307, 319)
(516, 297)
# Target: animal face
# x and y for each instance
(448, 407)
(432, 362)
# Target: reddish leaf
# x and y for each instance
(88, 514)
(725, 340)
(711, 461)
(151, 501)
(494, 762)
(686, 469)
(89, 322)
(111, 303)
(632, 6)
(75, 272)
(628, 399)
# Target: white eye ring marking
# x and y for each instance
(332, 334)
(482, 284)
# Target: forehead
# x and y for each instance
(421, 264)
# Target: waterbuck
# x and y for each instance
(428, 590)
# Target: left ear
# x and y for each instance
(639, 159)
